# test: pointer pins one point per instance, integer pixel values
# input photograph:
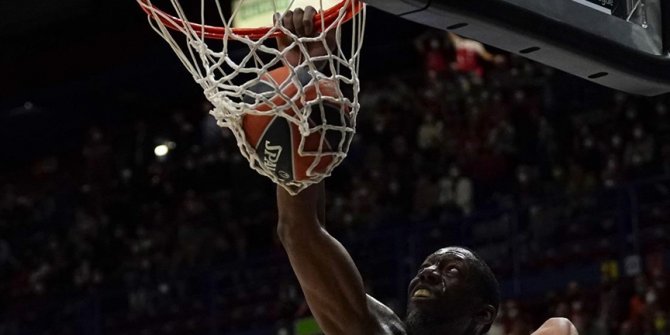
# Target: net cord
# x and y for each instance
(216, 71)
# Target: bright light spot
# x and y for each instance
(161, 150)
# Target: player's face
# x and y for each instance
(440, 290)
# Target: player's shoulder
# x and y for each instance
(389, 322)
(557, 326)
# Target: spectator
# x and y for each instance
(189, 232)
(456, 192)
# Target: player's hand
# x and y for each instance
(301, 23)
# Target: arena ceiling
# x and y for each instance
(46, 42)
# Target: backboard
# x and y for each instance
(622, 44)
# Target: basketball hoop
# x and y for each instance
(215, 32)
(234, 66)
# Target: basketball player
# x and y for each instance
(453, 292)
(469, 53)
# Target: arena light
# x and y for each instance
(258, 13)
(161, 150)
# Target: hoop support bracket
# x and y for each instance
(563, 34)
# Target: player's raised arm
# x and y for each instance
(328, 276)
(329, 279)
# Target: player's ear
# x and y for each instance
(486, 315)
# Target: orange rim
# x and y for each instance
(215, 32)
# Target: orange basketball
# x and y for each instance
(276, 140)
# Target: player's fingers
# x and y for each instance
(288, 21)
(331, 40)
(298, 15)
(282, 41)
(308, 20)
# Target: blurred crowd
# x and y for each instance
(478, 136)
(469, 131)
(631, 306)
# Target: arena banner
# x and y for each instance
(605, 6)
(258, 13)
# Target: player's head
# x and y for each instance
(454, 292)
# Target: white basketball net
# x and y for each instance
(230, 69)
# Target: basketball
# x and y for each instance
(276, 140)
